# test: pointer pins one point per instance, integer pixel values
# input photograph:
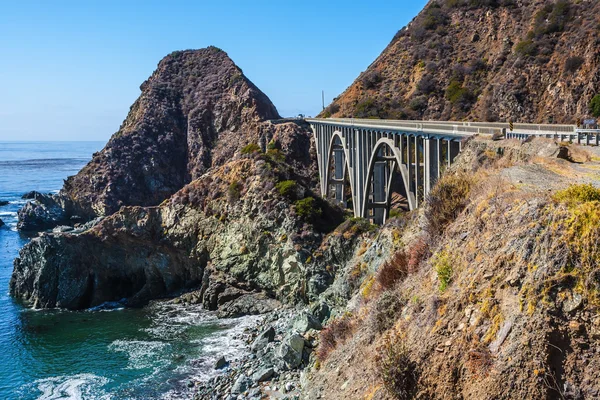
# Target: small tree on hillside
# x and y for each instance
(595, 106)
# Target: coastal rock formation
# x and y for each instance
(44, 212)
(195, 111)
(522, 60)
(234, 232)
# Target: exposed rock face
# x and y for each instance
(521, 60)
(105, 264)
(520, 301)
(46, 211)
(230, 231)
(195, 111)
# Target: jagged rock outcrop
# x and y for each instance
(195, 111)
(44, 212)
(230, 232)
(521, 60)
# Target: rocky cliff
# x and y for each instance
(195, 111)
(499, 60)
(490, 291)
(245, 227)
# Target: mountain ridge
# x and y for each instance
(527, 61)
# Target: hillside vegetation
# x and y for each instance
(494, 295)
(488, 60)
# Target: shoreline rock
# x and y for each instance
(259, 373)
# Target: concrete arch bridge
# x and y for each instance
(374, 166)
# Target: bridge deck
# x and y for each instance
(454, 128)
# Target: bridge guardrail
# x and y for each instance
(456, 127)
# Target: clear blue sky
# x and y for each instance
(71, 69)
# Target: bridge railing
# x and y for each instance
(454, 127)
(450, 128)
(458, 128)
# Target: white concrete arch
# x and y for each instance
(396, 162)
(337, 135)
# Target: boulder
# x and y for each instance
(305, 322)
(80, 271)
(321, 311)
(247, 304)
(263, 374)
(221, 363)
(242, 383)
(30, 195)
(264, 338)
(1, 222)
(3, 203)
(289, 353)
(44, 212)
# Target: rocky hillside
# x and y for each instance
(195, 111)
(491, 291)
(484, 60)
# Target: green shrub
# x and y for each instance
(572, 64)
(434, 17)
(396, 213)
(233, 192)
(287, 188)
(396, 370)
(307, 208)
(595, 106)
(251, 148)
(388, 307)
(443, 268)
(366, 108)
(577, 194)
(551, 18)
(458, 95)
(526, 48)
(371, 79)
(276, 155)
(273, 145)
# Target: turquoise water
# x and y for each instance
(106, 353)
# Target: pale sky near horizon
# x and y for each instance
(70, 70)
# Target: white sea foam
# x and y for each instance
(8, 214)
(228, 343)
(80, 386)
(21, 202)
(142, 353)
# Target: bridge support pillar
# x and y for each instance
(409, 163)
(379, 187)
(432, 163)
(338, 175)
(453, 150)
(418, 171)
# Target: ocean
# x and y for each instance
(105, 353)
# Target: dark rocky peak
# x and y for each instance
(195, 101)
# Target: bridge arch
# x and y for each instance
(394, 165)
(338, 141)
